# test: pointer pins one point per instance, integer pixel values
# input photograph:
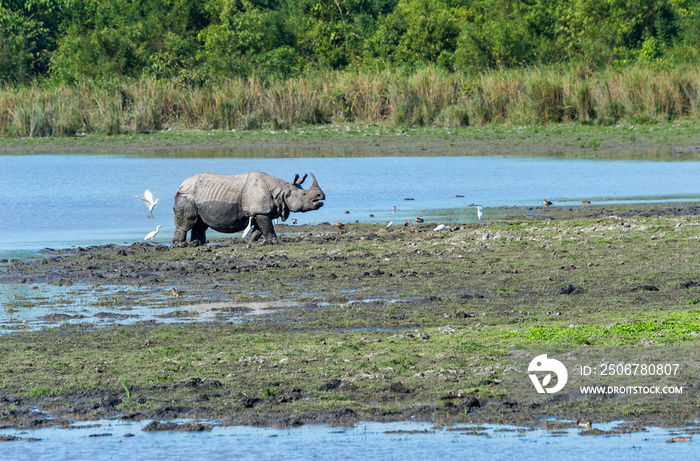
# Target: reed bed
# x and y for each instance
(427, 97)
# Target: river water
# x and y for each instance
(64, 200)
(58, 201)
(367, 441)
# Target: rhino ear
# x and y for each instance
(297, 181)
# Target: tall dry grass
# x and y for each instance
(427, 97)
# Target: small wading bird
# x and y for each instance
(339, 225)
(147, 199)
(479, 212)
(546, 202)
(152, 234)
(176, 293)
(584, 424)
(419, 219)
(439, 227)
(247, 230)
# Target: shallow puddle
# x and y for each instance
(115, 439)
(36, 306)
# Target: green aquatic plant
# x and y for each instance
(127, 388)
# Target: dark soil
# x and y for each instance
(404, 323)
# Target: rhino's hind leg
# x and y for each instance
(180, 236)
(185, 211)
(199, 233)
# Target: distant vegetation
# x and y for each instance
(70, 66)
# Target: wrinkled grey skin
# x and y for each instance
(225, 204)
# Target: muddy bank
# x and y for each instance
(676, 140)
(368, 323)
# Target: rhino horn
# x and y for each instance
(314, 178)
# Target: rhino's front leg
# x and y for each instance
(263, 226)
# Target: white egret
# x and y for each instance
(147, 199)
(247, 230)
(479, 212)
(389, 223)
(439, 227)
(152, 234)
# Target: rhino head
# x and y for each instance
(303, 200)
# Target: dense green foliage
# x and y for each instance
(72, 40)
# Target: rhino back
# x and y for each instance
(224, 202)
(209, 186)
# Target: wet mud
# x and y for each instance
(364, 323)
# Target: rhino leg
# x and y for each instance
(263, 226)
(180, 236)
(199, 232)
(185, 217)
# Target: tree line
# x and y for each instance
(196, 40)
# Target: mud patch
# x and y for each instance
(59, 317)
(336, 326)
(157, 426)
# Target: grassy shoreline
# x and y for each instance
(676, 140)
(397, 324)
(428, 97)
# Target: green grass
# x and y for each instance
(372, 344)
(638, 96)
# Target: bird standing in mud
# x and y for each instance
(152, 234)
(248, 228)
(176, 293)
(547, 202)
(148, 200)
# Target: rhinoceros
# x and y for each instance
(230, 203)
